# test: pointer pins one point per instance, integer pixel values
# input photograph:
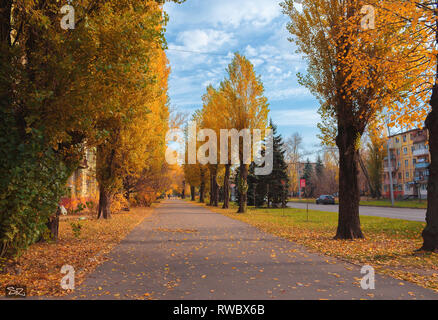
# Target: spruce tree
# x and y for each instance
(307, 175)
(278, 180)
(257, 188)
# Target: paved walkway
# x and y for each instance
(385, 212)
(186, 251)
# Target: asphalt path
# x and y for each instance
(185, 251)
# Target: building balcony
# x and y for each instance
(421, 179)
(422, 165)
(420, 152)
(420, 138)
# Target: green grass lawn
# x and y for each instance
(418, 204)
(390, 244)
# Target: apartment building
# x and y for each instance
(409, 162)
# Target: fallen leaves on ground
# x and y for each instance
(390, 244)
(40, 266)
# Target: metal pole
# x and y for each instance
(391, 186)
(298, 180)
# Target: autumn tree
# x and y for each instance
(246, 108)
(56, 88)
(134, 82)
(212, 120)
(346, 73)
(415, 46)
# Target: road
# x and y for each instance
(385, 212)
(185, 251)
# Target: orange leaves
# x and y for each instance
(389, 247)
(40, 266)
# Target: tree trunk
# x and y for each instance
(183, 194)
(226, 187)
(243, 188)
(5, 22)
(215, 189)
(348, 222)
(53, 225)
(202, 188)
(192, 192)
(104, 204)
(430, 232)
(212, 185)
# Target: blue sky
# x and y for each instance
(255, 28)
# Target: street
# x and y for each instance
(384, 212)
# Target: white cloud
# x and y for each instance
(257, 12)
(204, 40)
(288, 93)
(227, 13)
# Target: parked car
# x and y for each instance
(325, 199)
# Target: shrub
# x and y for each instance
(33, 179)
(76, 227)
(119, 203)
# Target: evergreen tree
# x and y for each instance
(257, 188)
(307, 175)
(319, 167)
(278, 180)
(273, 187)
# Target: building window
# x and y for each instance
(407, 163)
(414, 161)
(413, 149)
(397, 140)
(398, 152)
(404, 138)
(405, 150)
(407, 174)
(399, 175)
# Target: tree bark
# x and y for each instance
(215, 189)
(53, 225)
(212, 185)
(5, 22)
(430, 232)
(192, 192)
(226, 187)
(348, 221)
(202, 188)
(104, 204)
(243, 188)
(183, 194)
